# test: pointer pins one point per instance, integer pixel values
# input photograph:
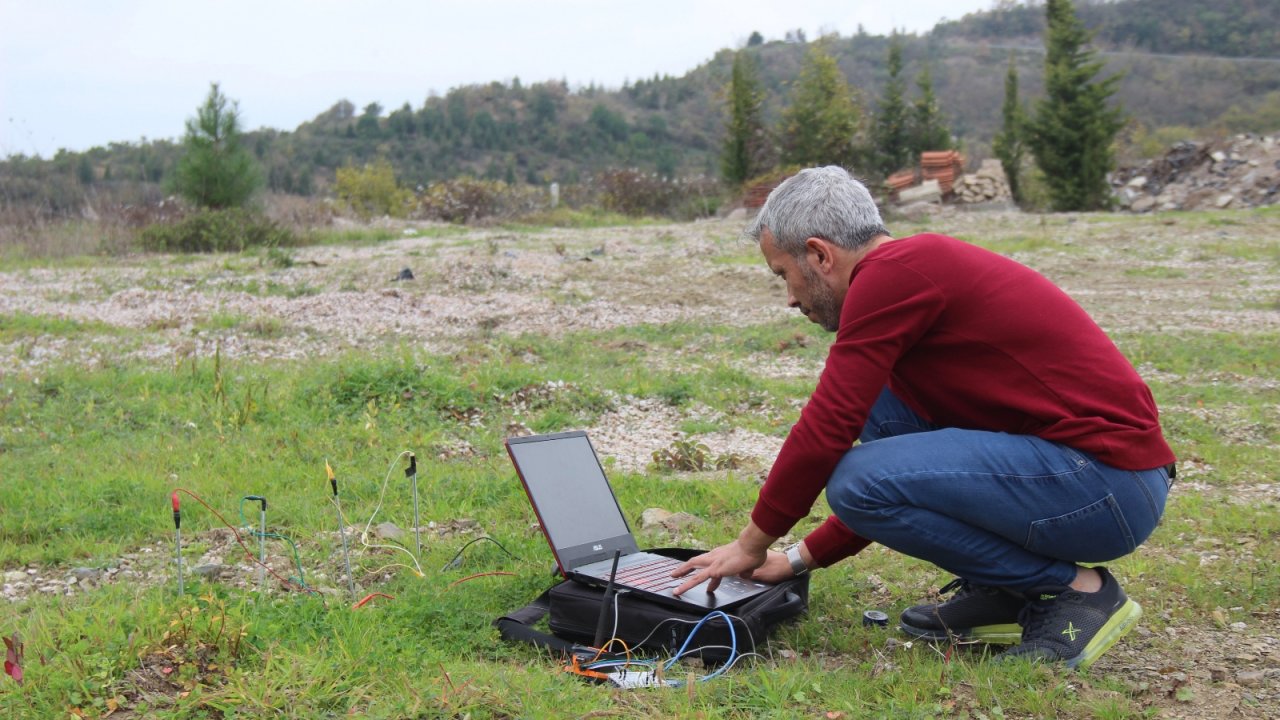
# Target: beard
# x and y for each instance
(824, 308)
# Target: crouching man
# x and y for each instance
(1001, 435)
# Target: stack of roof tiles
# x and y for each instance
(942, 165)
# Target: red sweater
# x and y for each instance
(968, 339)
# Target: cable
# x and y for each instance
(478, 575)
(456, 561)
(286, 581)
(364, 534)
(297, 561)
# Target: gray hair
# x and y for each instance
(825, 202)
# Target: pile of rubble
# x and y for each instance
(1240, 172)
(987, 184)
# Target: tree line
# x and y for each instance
(905, 88)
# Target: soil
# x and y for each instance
(1168, 275)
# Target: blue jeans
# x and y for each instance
(997, 509)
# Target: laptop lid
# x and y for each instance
(572, 498)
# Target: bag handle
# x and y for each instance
(517, 626)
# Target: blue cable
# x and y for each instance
(733, 645)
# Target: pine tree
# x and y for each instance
(216, 171)
(1008, 143)
(890, 129)
(823, 121)
(929, 129)
(746, 147)
(1073, 130)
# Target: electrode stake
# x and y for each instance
(177, 531)
(412, 472)
(342, 530)
(262, 541)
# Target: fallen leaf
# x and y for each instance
(13, 657)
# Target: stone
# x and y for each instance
(388, 531)
(1251, 678)
(927, 191)
(1224, 200)
(1143, 204)
(654, 518)
(1138, 182)
(210, 571)
(86, 574)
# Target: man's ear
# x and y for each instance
(820, 252)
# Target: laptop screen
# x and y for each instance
(569, 489)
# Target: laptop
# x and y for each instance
(585, 527)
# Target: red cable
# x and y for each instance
(477, 575)
(248, 553)
(371, 596)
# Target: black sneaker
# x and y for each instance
(977, 612)
(1073, 627)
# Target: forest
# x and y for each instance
(1223, 58)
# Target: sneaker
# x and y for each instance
(977, 612)
(1073, 627)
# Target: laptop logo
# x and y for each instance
(597, 548)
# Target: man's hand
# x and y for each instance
(724, 561)
(775, 569)
(740, 557)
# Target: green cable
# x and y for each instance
(259, 534)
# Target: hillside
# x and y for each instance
(1224, 63)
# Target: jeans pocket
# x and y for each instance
(1095, 533)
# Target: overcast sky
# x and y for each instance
(80, 73)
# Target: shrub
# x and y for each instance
(466, 199)
(373, 190)
(635, 193)
(230, 230)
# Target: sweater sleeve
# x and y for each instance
(888, 307)
(831, 542)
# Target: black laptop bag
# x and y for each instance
(573, 612)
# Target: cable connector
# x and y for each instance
(628, 679)
(413, 466)
(258, 499)
(333, 481)
(177, 514)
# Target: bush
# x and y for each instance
(635, 193)
(230, 230)
(467, 199)
(373, 190)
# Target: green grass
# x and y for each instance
(88, 459)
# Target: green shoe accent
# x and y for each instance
(1118, 625)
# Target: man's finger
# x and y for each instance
(688, 585)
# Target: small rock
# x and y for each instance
(210, 571)
(1143, 204)
(388, 531)
(1251, 678)
(405, 274)
(85, 574)
(1217, 673)
(653, 518)
(14, 576)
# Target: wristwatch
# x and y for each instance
(798, 567)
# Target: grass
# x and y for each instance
(90, 458)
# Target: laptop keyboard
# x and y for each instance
(651, 575)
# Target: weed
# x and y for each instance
(691, 456)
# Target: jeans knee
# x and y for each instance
(850, 498)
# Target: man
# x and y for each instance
(1004, 437)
